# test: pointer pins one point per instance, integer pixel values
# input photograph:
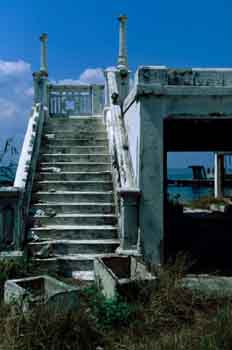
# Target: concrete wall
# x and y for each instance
(152, 110)
(159, 93)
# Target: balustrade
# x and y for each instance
(11, 219)
(76, 99)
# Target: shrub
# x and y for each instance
(113, 312)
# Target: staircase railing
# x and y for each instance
(124, 180)
(75, 99)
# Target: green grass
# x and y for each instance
(164, 316)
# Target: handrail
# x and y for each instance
(127, 198)
(117, 134)
(30, 151)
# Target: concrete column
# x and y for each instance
(97, 99)
(122, 56)
(129, 220)
(43, 53)
(218, 175)
(36, 87)
(151, 178)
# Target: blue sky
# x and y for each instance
(83, 37)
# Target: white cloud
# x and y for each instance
(15, 98)
(16, 94)
(92, 76)
(89, 76)
(8, 109)
(29, 92)
(14, 68)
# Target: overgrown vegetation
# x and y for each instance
(10, 269)
(165, 316)
(205, 202)
(108, 313)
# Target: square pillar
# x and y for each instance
(151, 177)
(129, 219)
(218, 175)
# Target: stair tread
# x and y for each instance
(72, 182)
(83, 275)
(77, 172)
(74, 227)
(75, 192)
(75, 204)
(74, 138)
(78, 163)
(76, 154)
(77, 241)
(73, 215)
(76, 257)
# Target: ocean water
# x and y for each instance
(188, 194)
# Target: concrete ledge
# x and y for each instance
(120, 275)
(217, 286)
(26, 293)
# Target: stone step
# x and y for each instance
(75, 141)
(70, 122)
(73, 126)
(74, 149)
(74, 166)
(71, 196)
(73, 186)
(77, 208)
(67, 264)
(74, 176)
(76, 133)
(53, 158)
(70, 247)
(74, 219)
(75, 232)
(87, 276)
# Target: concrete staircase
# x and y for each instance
(73, 211)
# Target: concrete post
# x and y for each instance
(129, 220)
(97, 99)
(218, 175)
(36, 87)
(151, 178)
(123, 74)
(122, 56)
(43, 53)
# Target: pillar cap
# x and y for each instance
(129, 192)
(43, 37)
(122, 18)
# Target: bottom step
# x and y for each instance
(67, 265)
(87, 276)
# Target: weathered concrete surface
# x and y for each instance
(15, 255)
(26, 293)
(152, 155)
(11, 219)
(120, 275)
(133, 129)
(209, 285)
(160, 98)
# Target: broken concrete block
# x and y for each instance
(50, 212)
(27, 293)
(209, 285)
(120, 274)
(45, 252)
